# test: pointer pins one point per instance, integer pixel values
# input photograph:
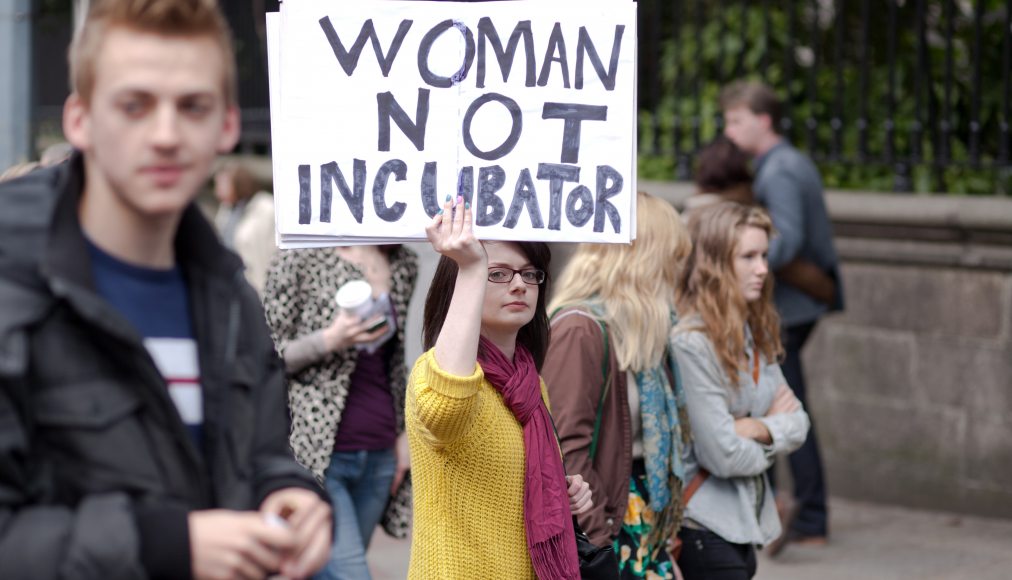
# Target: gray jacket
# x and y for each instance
(735, 501)
(788, 185)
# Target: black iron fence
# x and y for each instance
(906, 95)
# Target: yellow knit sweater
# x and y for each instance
(467, 467)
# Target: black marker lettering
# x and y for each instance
(330, 173)
(556, 176)
(490, 208)
(606, 173)
(580, 216)
(349, 59)
(389, 108)
(379, 187)
(524, 195)
(465, 183)
(573, 114)
(430, 198)
(305, 194)
(511, 140)
(585, 45)
(487, 34)
(556, 53)
(431, 78)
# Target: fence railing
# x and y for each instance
(905, 95)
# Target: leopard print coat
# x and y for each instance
(298, 300)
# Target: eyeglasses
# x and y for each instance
(504, 275)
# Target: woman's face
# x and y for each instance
(750, 267)
(510, 305)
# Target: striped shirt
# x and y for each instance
(156, 303)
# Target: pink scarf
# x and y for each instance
(551, 540)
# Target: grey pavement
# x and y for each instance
(869, 541)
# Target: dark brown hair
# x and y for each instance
(722, 166)
(757, 97)
(533, 335)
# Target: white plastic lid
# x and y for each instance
(354, 294)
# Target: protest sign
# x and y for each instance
(380, 110)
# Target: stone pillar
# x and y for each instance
(15, 82)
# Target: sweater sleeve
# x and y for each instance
(444, 404)
(717, 446)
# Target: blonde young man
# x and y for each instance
(143, 431)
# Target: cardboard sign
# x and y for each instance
(380, 110)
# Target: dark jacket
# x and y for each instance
(572, 372)
(97, 470)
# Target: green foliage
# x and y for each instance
(681, 79)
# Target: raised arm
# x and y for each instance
(451, 235)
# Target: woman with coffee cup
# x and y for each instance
(337, 316)
(491, 498)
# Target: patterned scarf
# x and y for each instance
(663, 413)
(551, 540)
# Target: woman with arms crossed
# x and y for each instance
(491, 496)
(740, 406)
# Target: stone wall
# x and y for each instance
(911, 386)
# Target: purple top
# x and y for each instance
(368, 422)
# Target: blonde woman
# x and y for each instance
(727, 346)
(608, 372)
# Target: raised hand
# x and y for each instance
(451, 235)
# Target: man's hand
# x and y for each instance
(227, 544)
(403, 454)
(310, 520)
(580, 500)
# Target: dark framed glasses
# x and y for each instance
(505, 275)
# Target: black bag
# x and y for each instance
(596, 562)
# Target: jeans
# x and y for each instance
(707, 556)
(806, 463)
(359, 486)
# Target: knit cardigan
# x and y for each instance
(299, 300)
(467, 461)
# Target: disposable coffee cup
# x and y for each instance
(355, 297)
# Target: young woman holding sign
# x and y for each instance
(492, 499)
(346, 385)
(742, 411)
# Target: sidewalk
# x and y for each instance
(868, 541)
